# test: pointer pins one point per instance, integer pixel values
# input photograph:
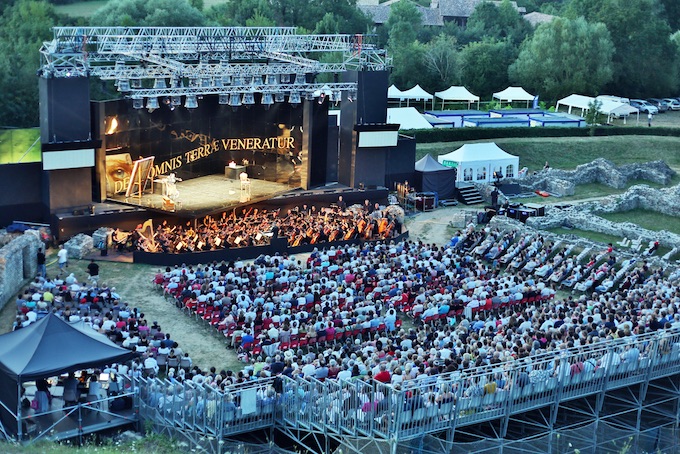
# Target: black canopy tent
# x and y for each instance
(47, 348)
(432, 176)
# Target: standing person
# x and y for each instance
(42, 269)
(342, 206)
(62, 256)
(649, 119)
(93, 270)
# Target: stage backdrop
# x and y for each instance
(202, 141)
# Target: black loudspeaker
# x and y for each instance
(513, 213)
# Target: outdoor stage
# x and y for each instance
(205, 195)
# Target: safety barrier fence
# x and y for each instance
(437, 403)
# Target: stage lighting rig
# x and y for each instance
(209, 60)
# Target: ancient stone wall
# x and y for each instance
(18, 264)
(584, 216)
(563, 182)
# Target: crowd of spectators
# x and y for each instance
(470, 304)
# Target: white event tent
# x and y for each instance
(610, 107)
(512, 94)
(412, 94)
(407, 118)
(457, 94)
(394, 93)
(477, 162)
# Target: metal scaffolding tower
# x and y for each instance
(170, 62)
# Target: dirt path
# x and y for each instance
(434, 226)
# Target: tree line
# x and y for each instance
(622, 47)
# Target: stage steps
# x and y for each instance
(468, 194)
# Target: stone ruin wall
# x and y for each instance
(17, 262)
(563, 182)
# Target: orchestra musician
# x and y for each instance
(253, 227)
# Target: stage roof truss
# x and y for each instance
(193, 53)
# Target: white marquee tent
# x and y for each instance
(457, 94)
(394, 93)
(407, 118)
(412, 94)
(610, 107)
(512, 94)
(477, 162)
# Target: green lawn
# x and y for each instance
(569, 152)
(19, 145)
(88, 8)
(80, 9)
(650, 220)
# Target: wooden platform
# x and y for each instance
(206, 195)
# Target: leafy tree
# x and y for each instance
(442, 62)
(237, 13)
(151, 13)
(484, 66)
(408, 65)
(501, 22)
(24, 26)
(403, 25)
(593, 115)
(643, 60)
(563, 57)
(672, 13)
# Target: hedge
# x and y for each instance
(468, 134)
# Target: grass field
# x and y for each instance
(646, 219)
(19, 145)
(80, 9)
(569, 152)
(88, 8)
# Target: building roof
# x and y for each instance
(536, 18)
(381, 13)
(434, 15)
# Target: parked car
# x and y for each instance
(644, 106)
(659, 104)
(673, 104)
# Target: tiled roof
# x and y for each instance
(537, 18)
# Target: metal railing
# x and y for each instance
(437, 403)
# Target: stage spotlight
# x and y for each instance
(294, 98)
(223, 99)
(271, 79)
(257, 80)
(248, 99)
(234, 100)
(159, 84)
(236, 80)
(136, 83)
(191, 102)
(322, 98)
(205, 82)
(226, 80)
(176, 101)
(279, 97)
(300, 79)
(309, 96)
(124, 85)
(137, 103)
(267, 99)
(285, 78)
(152, 104)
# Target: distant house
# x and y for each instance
(536, 18)
(439, 12)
